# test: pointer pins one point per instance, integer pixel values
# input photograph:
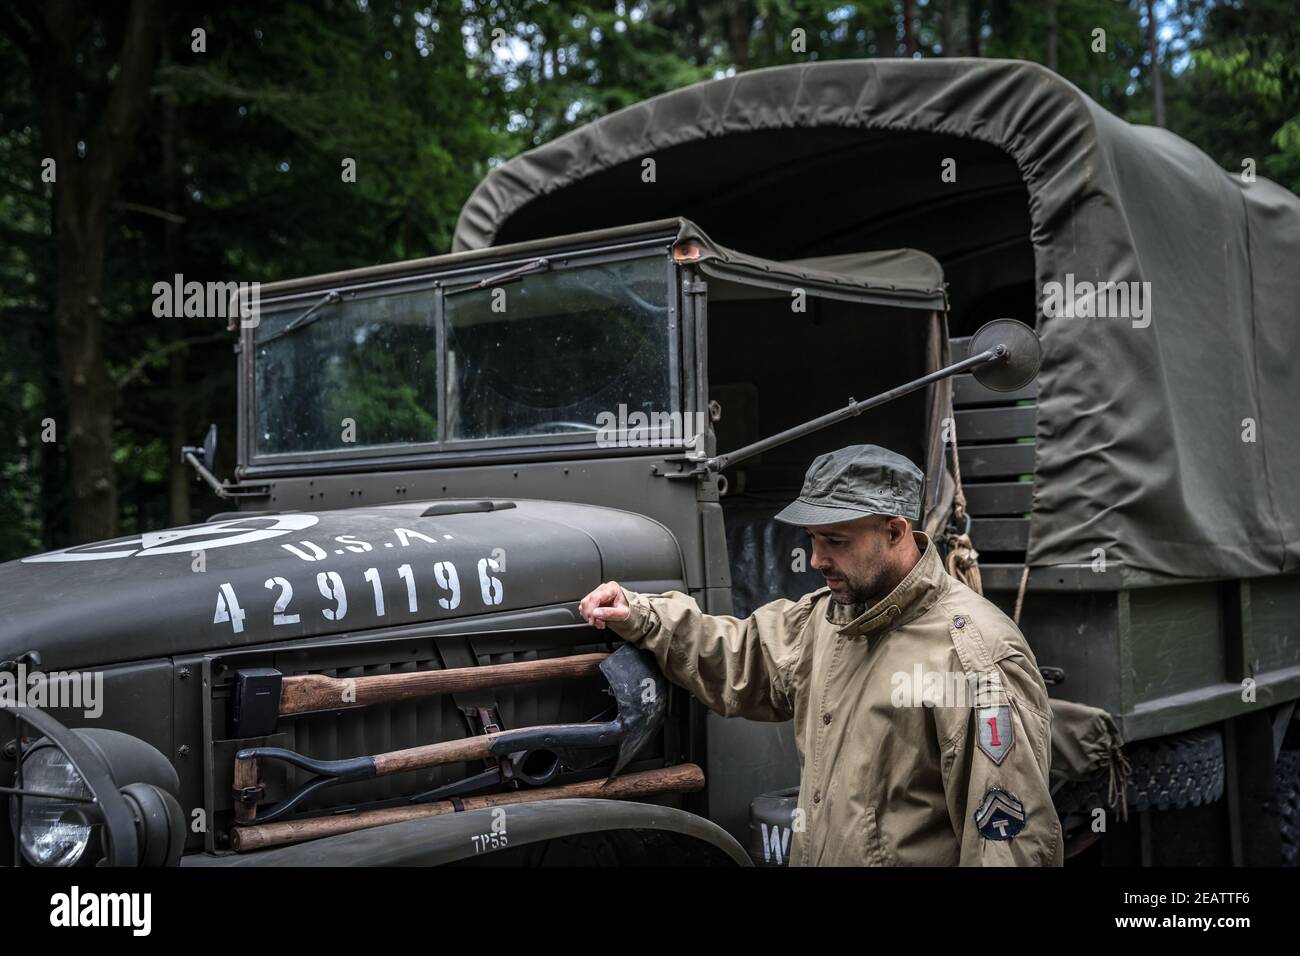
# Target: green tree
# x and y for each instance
(1240, 98)
(87, 127)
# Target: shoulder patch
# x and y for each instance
(1000, 815)
(995, 735)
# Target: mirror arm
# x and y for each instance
(188, 456)
(997, 353)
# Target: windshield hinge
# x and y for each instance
(688, 467)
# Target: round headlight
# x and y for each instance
(54, 832)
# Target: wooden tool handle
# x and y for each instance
(385, 764)
(310, 693)
(452, 751)
(433, 755)
(245, 778)
(684, 778)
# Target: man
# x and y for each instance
(922, 722)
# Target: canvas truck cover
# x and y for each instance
(902, 278)
(1170, 439)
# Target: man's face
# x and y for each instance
(856, 557)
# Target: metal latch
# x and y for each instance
(488, 719)
(249, 795)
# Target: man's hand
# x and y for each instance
(606, 603)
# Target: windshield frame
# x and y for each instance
(440, 282)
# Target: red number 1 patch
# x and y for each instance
(995, 733)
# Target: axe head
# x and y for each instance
(641, 694)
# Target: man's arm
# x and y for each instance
(997, 754)
(737, 668)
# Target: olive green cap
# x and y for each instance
(855, 482)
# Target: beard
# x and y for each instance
(851, 596)
(863, 584)
(857, 590)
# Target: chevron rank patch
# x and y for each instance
(1000, 815)
(995, 734)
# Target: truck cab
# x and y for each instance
(437, 460)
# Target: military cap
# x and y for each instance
(854, 482)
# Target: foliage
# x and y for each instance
(238, 171)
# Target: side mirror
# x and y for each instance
(1021, 358)
(205, 453)
(203, 458)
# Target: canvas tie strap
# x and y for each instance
(1120, 770)
(1020, 596)
(963, 559)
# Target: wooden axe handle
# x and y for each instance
(309, 693)
(683, 778)
(450, 751)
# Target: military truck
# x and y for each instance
(374, 656)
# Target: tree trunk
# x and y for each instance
(740, 22)
(909, 28)
(54, 514)
(1157, 80)
(946, 27)
(179, 476)
(887, 37)
(80, 237)
(973, 11)
(696, 19)
(83, 191)
(1051, 35)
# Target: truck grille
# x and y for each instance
(381, 728)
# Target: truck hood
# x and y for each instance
(262, 578)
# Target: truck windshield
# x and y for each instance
(550, 353)
(545, 353)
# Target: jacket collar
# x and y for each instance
(913, 596)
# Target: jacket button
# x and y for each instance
(817, 796)
(826, 718)
(959, 622)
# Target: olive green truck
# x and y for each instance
(374, 656)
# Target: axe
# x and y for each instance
(634, 680)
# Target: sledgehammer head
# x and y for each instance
(641, 695)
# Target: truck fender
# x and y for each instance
(432, 841)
